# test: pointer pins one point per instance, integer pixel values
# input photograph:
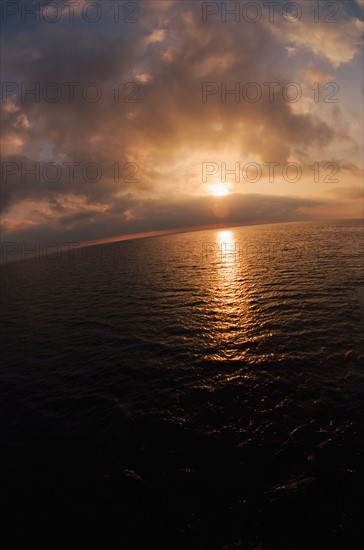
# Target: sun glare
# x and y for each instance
(219, 188)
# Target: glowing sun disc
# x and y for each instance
(219, 189)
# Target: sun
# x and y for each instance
(219, 188)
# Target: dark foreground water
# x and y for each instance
(201, 390)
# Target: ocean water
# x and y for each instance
(196, 390)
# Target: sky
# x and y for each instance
(123, 118)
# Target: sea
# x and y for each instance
(201, 390)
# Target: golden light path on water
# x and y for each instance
(229, 299)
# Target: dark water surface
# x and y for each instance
(199, 390)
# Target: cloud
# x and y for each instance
(353, 192)
(150, 124)
(70, 217)
(321, 37)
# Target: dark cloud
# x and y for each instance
(131, 216)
